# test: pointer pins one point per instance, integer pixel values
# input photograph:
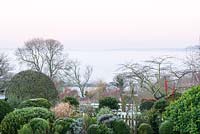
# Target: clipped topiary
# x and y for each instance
(152, 117)
(71, 100)
(110, 102)
(5, 108)
(99, 129)
(103, 111)
(145, 128)
(146, 105)
(62, 126)
(30, 84)
(166, 128)
(12, 121)
(93, 129)
(26, 129)
(38, 102)
(39, 126)
(120, 127)
(160, 105)
(184, 112)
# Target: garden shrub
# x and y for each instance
(88, 120)
(77, 126)
(110, 102)
(26, 129)
(28, 85)
(184, 112)
(103, 111)
(166, 128)
(152, 117)
(106, 118)
(146, 105)
(12, 121)
(5, 108)
(160, 105)
(62, 110)
(120, 127)
(145, 128)
(117, 125)
(62, 126)
(93, 129)
(99, 129)
(37, 102)
(39, 126)
(71, 100)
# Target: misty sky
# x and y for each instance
(101, 24)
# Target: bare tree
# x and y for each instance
(193, 63)
(44, 56)
(149, 75)
(4, 72)
(73, 74)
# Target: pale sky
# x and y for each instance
(101, 24)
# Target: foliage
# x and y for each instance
(88, 120)
(106, 119)
(120, 127)
(81, 125)
(5, 108)
(153, 118)
(12, 121)
(160, 105)
(63, 110)
(30, 84)
(26, 129)
(78, 126)
(99, 129)
(62, 126)
(103, 111)
(71, 100)
(146, 105)
(166, 128)
(110, 102)
(184, 112)
(39, 126)
(38, 102)
(145, 129)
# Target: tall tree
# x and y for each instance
(77, 78)
(4, 72)
(44, 56)
(120, 83)
(149, 75)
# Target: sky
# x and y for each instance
(101, 24)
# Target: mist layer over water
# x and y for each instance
(106, 62)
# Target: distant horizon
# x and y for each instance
(120, 49)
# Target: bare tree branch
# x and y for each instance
(73, 74)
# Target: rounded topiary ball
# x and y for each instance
(39, 126)
(37, 102)
(166, 128)
(30, 84)
(62, 126)
(19, 117)
(4, 109)
(145, 128)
